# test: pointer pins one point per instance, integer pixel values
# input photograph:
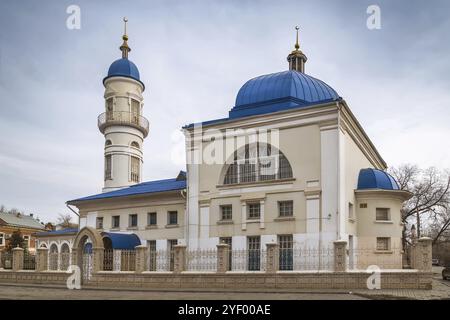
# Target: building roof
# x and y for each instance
(279, 91)
(276, 92)
(122, 241)
(58, 232)
(376, 179)
(123, 67)
(20, 220)
(178, 183)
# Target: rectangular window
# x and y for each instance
(135, 169)
(133, 220)
(108, 167)
(253, 211)
(286, 244)
(99, 223)
(151, 244)
(363, 205)
(115, 222)
(2, 239)
(350, 210)
(151, 219)
(171, 244)
(229, 242)
(27, 240)
(172, 217)
(382, 214)
(383, 244)
(254, 253)
(109, 109)
(226, 212)
(286, 208)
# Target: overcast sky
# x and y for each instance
(193, 57)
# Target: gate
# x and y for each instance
(87, 267)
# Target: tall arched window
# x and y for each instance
(257, 162)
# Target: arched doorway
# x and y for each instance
(53, 257)
(86, 245)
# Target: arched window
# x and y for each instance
(108, 143)
(65, 257)
(53, 257)
(135, 144)
(257, 162)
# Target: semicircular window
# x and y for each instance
(257, 162)
(135, 144)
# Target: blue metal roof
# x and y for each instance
(57, 232)
(122, 241)
(178, 183)
(376, 179)
(278, 91)
(123, 68)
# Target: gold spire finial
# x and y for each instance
(297, 46)
(124, 47)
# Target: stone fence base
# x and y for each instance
(410, 279)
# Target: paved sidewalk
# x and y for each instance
(440, 291)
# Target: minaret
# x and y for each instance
(297, 58)
(122, 123)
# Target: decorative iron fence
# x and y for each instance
(119, 260)
(201, 260)
(29, 261)
(297, 257)
(6, 260)
(248, 259)
(160, 260)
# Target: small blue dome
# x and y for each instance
(376, 179)
(123, 68)
(279, 91)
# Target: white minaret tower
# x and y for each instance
(122, 123)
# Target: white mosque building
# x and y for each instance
(311, 177)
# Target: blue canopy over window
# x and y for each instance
(122, 241)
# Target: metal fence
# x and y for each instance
(296, 257)
(204, 260)
(119, 260)
(29, 261)
(160, 260)
(248, 260)
(6, 260)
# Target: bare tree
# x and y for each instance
(431, 195)
(64, 220)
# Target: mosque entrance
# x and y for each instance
(86, 242)
(87, 263)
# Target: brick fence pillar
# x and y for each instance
(179, 258)
(17, 259)
(97, 259)
(272, 257)
(41, 259)
(424, 254)
(340, 256)
(141, 259)
(223, 258)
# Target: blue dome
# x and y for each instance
(376, 179)
(123, 68)
(279, 91)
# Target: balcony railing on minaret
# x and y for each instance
(112, 118)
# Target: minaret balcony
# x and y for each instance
(122, 118)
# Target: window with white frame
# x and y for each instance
(133, 220)
(108, 167)
(383, 243)
(382, 214)
(253, 210)
(99, 223)
(226, 212)
(115, 222)
(135, 169)
(172, 217)
(27, 240)
(350, 210)
(286, 208)
(151, 219)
